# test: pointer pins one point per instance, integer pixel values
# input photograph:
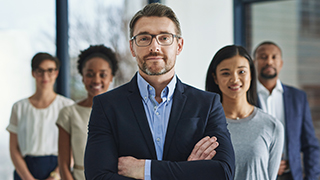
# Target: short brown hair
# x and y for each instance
(40, 57)
(155, 9)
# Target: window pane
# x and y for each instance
(26, 28)
(295, 26)
(101, 22)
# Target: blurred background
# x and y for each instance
(28, 27)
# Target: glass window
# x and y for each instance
(26, 28)
(101, 22)
(295, 26)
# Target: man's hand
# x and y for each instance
(283, 167)
(131, 167)
(204, 149)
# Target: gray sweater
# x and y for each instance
(257, 141)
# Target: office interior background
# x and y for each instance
(28, 27)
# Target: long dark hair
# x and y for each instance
(226, 53)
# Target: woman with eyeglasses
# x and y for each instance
(97, 66)
(257, 137)
(33, 134)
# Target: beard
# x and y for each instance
(155, 71)
(268, 76)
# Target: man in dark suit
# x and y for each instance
(291, 107)
(155, 126)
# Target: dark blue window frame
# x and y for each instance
(154, 1)
(239, 20)
(62, 38)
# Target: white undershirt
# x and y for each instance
(273, 105)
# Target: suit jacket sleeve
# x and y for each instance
(220, 167)
(101, 156)
(309, 145)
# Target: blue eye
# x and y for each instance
(164, 37)
(142, 38)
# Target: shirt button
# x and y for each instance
(158, 139)
(157, 113)
(150, 89)
(155, 107)
(145, 97)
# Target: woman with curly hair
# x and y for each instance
(97, 65)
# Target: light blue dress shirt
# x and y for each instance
(157, 115)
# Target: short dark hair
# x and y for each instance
(101, 51)
(265, 43)
(226, 53)
(38, 58)
(158, 10)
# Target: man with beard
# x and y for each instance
(155, 126)
(291, 107)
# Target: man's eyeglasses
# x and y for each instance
(40, 72)
(163, 39)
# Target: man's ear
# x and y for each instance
(180, 45)
(131, 48)
(281, 64)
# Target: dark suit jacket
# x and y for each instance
(119, 127)
(300, 135)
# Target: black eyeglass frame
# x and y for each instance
(40, 71)
(155, 36)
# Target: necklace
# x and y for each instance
(246, 115)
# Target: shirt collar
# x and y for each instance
(144, 86)
(262, 89)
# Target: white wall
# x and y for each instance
(207, 26)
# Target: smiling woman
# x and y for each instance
(97, 66)
(257, 137)
(233, 77)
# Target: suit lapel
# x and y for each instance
(134, 98)
(287, 100)
(178, 103)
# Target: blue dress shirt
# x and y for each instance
(157, 114)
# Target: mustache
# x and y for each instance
(154, 54)
(262, 69)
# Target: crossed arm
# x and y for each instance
(107, 142)
(134, 168)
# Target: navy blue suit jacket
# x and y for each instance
(119, 127)
(300, 135)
